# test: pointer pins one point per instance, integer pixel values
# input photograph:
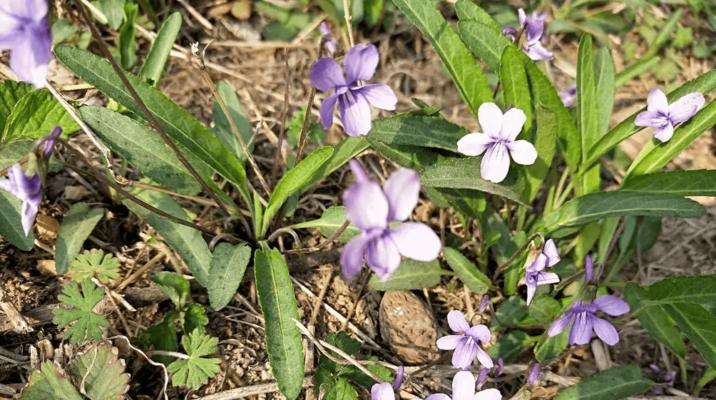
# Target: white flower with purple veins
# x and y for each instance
(24, 31)
(467, 343)
(26, 188)
(664, 116)
(582, 316)
(374, 210)
(498, 142)
(535, 274)
(532, 27)
(463, 388)
(353, 98)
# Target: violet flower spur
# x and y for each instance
(26, 188)
(498, 142)
(24, 30)
(466, 343)
(582, 317)
(463, 388)
(664, 116)
(353, 98)
(535, 274)
(329, 41)
(372, 209)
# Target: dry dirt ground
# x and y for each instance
(260, 71)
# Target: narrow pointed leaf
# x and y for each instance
(10, 222)
(410, 275)
(467, 10)
(158, 55)
(76, 227)
(417, 130)
(228, 266)
(680, 183)
(614, 383)
(699, 325)
(484, 42)
(515, 88)
(587, 109)
(468, 272)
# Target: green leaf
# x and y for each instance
(587, 113)
(515, 88)
(186, 241)
(162, 336)
(464, 71)
(344, 342)
(227, 269)
(278, 305)
(77, 315)
(511, 345)
(342, 390)
(468, 273)
(142, 147)
(511, 312)
(655, 156)
(10, 94)
(127, 42)
(606, 89)
(35, 115)
(174, 286)
(113, 10)
(699, 289)
(11, 222)
(546, 145)
(550, 347)
(410, 275)
(468, 10)
(704, 84)
(195, 318)
(179, 124)
(597, 206)
(344, 151)
(331, 220)
(197, 369)
(543, 310)
(94, 263)
(679, 183)
(484, 42)
(49, 383)
(611, 384)
(222, 125)
(76, 227)
(699, 325)
(101, 373)
(654, 319)
(417, 130)
(293, 181)
(13, 152)
(158, 55)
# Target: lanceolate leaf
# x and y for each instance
(610, 384)
(680, 183)
(417, 130)
(464, 71)
(11, 153)
(596, 206)
(223, 127)
(158, 54)
(468, 10)
(604, 75)
(484, 41)
(10, 93)
(654, 319)
(410, 275)
(515, 88)
(683, 289)
(468, 273)
(546, 144)
(10, 222)
(699, 325)
(228, 266)
(76, 227)
(278, 305)
(331, 220)
(35, 115)
(587, 109)
(343, 152)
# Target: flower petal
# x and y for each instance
(35, 10)
(523, 152)
(383, 257)
(559, 325)
(581, 331)
(463, 386)
(495, 163)
(657, 101)
(449, 342)
(686, 107)
(550, 250)
(537, 52)
(512, 123)
(488, 394)
(326, 74)
(474, 144)
(664, 133)
(30, 57)
(464, 354)
(479, 332)
(366, 205)
(484, 358)
(457, 322)
(360, 62)
(547, 278)
(611, 305)
(355, 113)
(438, 396)
(402, 190)
(490, 117)
(650, 118)
(352, 256)
(531, 289)
(416, 241)
(379, 95)
(28, 213)
(606, 331)
(382, 391)
(328, 106)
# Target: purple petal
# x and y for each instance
(657, 102)
(355, 113)
(651, 118)
(606, 331)
(611, 305)
(464, 354)
(463, 386)
(538, 264)
(399, 377)
(30, 57)
(402, 190)
(35, 10)
(326, 74)
(474, 144)
(366, 205)
(438, 396)
(550, 250)
(510, 33)
(457, 322)
(512, 123)
(379, 95)
(484, 358)
(479, 332)
(28, 213)
(533, 376)
(495, 163)
(382, 391)
(352, 256)
(383, 257)
(537, 52)
(522, 152)
(588, 269)
(449, 342)
(559, 325)
(490, 117)
(416, 241)
(581, 331)
(488, 394)
(531, 289)
(686, 107)
(664, 133)
(328, 106)
(521, 17)
(547, 278)
(360, 62)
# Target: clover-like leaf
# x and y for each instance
(195, 371)
(94, 263)
(77, 315)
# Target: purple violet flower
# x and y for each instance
(354, 99)
(582, 316)
(535, 274)
(386, 391)
(329, 41)
(372, 209)
(467, 343)
(664, 116)
(498, 142)
(533, 376)
(532, 27)
(24, 31)
(46, 144)
(569, 96)
(588, 269)
(399, 377)
(463, 388)
(26, 188)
